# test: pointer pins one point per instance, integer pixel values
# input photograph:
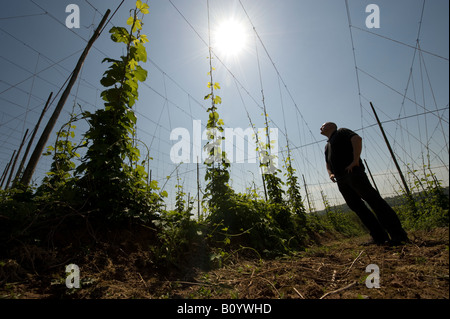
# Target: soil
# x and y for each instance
(121, 267)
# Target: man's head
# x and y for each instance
(328, 128)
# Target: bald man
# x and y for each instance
(345, 167)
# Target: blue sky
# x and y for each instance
(309, 77)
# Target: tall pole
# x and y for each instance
(408, 192)
(30, 142)
(7, 169)
(34, 159)
(16, 158)
(370, 173)
(198, 192)
(307, 195)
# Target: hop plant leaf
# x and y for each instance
(217, 100)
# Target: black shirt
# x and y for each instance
(339, 151)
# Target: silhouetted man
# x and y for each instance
(344, 166)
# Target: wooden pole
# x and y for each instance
(16, 158)
(34, 159)
(198, 192)
(307, 195)
(325, 202)
(30, 142)
(370, 173)
(408, 192)
(7, 169)
(4, 172)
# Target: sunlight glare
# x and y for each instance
(230, 38)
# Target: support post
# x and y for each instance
(408, 192)
(15, 159)
(371, 177)
(34, 159)
(307, 195)
(7, 169)
(30, 142)
(198, 191)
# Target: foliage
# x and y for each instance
(431, 204)
(177, 234)
(16, 205)
(271, 227)
(114, 181)
(294, 200)
(218, 190)
(340, 221)
(180, 202)
(217, 176)
(59, 182)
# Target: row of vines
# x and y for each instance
(111, 185)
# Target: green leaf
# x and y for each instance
(217, 100)
(140, 53)
(144, 8)
(131, 116)
(140, 73)
(132, 64)
(154, 184)
(143, 38)
(109, 60)
(137, 26)
(119, 34)
(130, 20)
(214, 115)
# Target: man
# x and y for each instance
(344, 166)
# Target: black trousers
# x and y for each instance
(383, 222)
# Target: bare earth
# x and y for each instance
(335, 270)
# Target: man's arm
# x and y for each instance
(357, 148)
(330, 173)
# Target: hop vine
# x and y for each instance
(113, 176)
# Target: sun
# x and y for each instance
(230, 38)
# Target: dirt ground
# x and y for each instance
(334, 270)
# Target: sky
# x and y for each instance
(312, 61)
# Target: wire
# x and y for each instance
(24, 16)
(399, 42)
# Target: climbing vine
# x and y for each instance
(113, 178)
(217, 176)
(294, 199)
(60, 179)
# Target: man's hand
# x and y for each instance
(357, 147)
(333, 178)
(350, 167)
